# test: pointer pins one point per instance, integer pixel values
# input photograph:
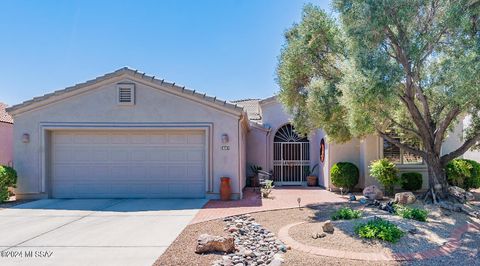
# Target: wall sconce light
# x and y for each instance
(26, 138)
(224, 138)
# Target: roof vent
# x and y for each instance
(126, 94)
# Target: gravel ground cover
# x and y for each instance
(182, 251)
(431, 234)
(255, 244)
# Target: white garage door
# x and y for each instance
(128, 164)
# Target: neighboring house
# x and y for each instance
(130, 135)
(6, 136)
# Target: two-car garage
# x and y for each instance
(128, 164)
(128, 135)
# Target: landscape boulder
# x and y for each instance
(373, 193)
(460, 194)
(405, 198)
(328, 227)
(209, 243)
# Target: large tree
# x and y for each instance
(407, 70)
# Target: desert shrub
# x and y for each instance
(267, 188)
(346, 214)
(379, 229)
(411, 181)
(411, 213)
(463, 173)
(344, 175)
(8, 178)
(386, 173)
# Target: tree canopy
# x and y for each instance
(404, 68)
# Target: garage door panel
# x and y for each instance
(158, 155)
(177, 138)
(195, 156)
(130, 164)
(196, 139)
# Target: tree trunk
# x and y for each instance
(437, 180)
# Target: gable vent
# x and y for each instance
(126, 94)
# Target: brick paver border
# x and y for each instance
(452, 244)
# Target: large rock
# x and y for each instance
(373, 192)
(328, 227)
(460, 194)
(208, 243)
(405, 198)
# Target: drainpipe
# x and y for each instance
(239, 157)
(267, 163)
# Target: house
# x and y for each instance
(6, 136)
(130, 135)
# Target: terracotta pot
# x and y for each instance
(311, 181)
(225, 189)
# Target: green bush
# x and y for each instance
(463, 173)
(8, 178)
(386, 173)
(379, 229)
(344, 175)
(411, 213)
(411, 181)
(346, 214)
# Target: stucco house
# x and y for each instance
(130, 135)
(6, 136)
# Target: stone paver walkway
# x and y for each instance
(449, 247)
(281, 198)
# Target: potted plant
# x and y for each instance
(225, 189)
(311, 179)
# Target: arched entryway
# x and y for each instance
(291, 156)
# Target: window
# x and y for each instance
(126, 94)
(399, 156)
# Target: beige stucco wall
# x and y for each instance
(344, 152)
(257, 140)
(154, 107)
(470, 154)
(6, 143)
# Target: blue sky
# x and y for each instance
(226, 48)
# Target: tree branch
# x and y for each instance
(400, 145)
(418, 119)
(411, 130)
(461, 150)
(440, 131)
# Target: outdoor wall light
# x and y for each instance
(224, 138)
(26, 138)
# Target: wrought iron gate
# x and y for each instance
(291, 156)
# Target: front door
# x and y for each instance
(291, 157)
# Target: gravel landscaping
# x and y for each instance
(257, 233)
(182, 250)
(256, 245)
(429, 235)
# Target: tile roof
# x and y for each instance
(251, 106)
(176, 87)
(4, 116)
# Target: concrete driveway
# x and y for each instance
(92, 231)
